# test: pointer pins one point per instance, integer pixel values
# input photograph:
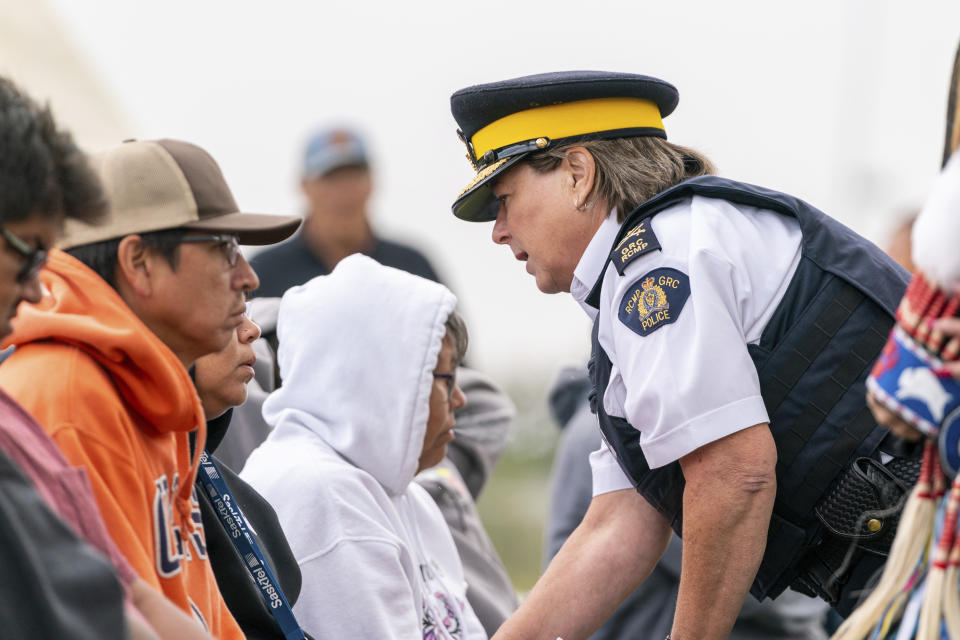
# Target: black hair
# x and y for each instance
(101, 257)
(42, 171)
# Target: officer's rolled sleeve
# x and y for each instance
(704, 429)
(697, 382)
(692, 381)
(607, 474)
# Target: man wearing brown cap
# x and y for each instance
(64, 576)
(102, 358)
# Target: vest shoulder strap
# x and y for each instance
(859, 264)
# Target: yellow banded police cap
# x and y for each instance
(502, 122)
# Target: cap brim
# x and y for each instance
(250, 228)
(330, 165)
(476, 203)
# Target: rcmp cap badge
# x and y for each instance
(503, 122)
(654, 300)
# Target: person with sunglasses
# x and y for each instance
(66, 576)
(367, 357)
(128, 306)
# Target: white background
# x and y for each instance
(840, 103)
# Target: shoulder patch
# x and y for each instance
(638, 241)
(654, 300)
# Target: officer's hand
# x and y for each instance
(892, 421)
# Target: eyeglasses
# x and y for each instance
(451, 381)
(33, 257)
(228, 243)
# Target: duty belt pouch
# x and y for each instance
(859, 513)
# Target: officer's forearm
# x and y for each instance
(613, 550)
(728, 498)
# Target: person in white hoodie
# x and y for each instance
(367, 356)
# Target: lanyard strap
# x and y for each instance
(236, 526)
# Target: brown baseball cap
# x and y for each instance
(169, 184)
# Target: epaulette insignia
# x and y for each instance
(654, 300)
(638, 241)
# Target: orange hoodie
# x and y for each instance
(119, 403)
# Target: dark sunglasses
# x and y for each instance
(33, 257)
(228, 243)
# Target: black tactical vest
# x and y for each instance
(812, 360)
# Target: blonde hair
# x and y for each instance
(630, 171)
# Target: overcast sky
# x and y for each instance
(840, 103)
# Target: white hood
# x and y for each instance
(357, 352)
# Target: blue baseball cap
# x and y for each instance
(331, 149)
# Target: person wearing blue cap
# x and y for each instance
(733, 330)
(337, 182)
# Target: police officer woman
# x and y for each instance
(733, 330)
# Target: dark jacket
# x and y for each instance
(292, 262)
(239, 590)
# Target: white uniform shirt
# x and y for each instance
(691, 381)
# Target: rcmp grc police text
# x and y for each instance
(654, 300)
